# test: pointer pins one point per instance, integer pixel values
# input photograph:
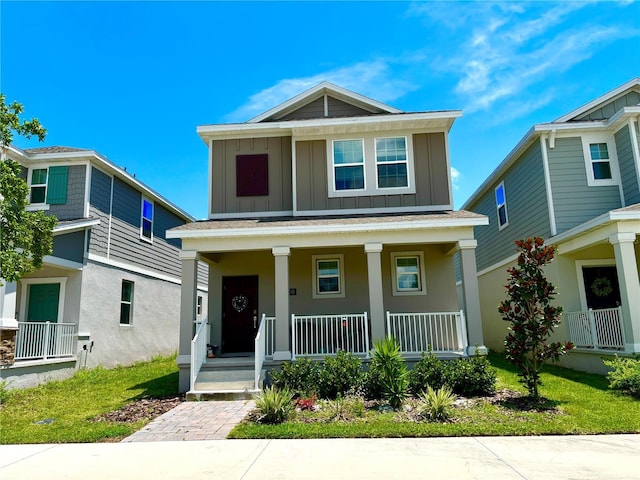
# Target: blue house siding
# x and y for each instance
(627, 163)
(527, 209)
(69, 246)
(574, 201)
(99, 207)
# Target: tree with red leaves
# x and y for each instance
(529, 311)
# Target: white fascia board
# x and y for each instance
(620, 116)
(603, 98)
(286, 128)
(328, 229)
(60, 229)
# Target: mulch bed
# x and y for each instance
(143, 409)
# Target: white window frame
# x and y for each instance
(142, 218)
(199, 300)
(589, 139)
(41, 205)
(422, 290)
(335, 166)
(130, 303)
(315, 286)
(370, 166)
(506, 210)
(405, 161)
(25, 282)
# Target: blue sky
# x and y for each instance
(132, 80)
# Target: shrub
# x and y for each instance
(346, 408)
(340, 374)
(274, 405)
(429, 371)
(472, 377)
(389, 369)
(305, 404)
(625, 376)
(437, 405)
(301, 377)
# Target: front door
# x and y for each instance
(601, 287)
(239, 313)
(43, 302)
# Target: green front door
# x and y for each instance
(43, 302)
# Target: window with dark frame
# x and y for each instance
(146, 229)
(199, 305)
(501, 206)
(126, 302)
(252, 175)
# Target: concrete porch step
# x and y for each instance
(225, 384)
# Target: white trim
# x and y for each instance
(314, 280)
(622, 237)
(283, 251)
(409, 158)
(143, 218)
(61, 262)
(589, 138)
(40, 205)
(328, 229)
(602, 262)
(74, 227)
(506, 211)
(634, 147)
(359, 211)
(210, 171)
(189, 255)
(26, 282)
(110, 216)
(500, 264)
(601, 99)
(34, 207)
(132, 268)
(294, 175)
(239, 215)
(422, 290)
(326, 104)
(547, 184)
(331, 166)
(447, 155)
(87, 190)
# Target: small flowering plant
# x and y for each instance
(529, 311)
(306, 404)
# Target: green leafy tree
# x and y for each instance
(529, 311)
(25, 237)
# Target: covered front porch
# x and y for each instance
(284, 288)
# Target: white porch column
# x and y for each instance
(283, 342)
(8, 293)
(376, 302)
(629, 281)
(188, 294)
(471, 295)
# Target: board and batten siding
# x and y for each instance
(608, 110)
(628, 174)
(430, 165)
(574, 201)
(73, 208)
(527, 210)
(223, 172)
(315, 109)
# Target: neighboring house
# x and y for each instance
(109, 293)
(576, 183)
(331, 225)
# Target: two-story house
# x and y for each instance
(576, 183)
(331, 225)
(109, 293)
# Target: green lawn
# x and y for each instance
(74, 402)
(583, 401)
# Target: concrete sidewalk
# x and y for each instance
(615, 457)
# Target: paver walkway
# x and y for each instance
(195, 421)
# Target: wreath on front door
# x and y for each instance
(601, 286)
(239, 302)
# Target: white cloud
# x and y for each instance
(455, 177)
(374, 79)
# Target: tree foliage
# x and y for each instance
(529, 311)
(25, 237)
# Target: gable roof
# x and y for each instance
(321, 89)
(600, 101)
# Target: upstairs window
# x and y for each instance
(600, 162)
(329, 277)
(348, 164)
(48, 186)
(38, 185)
(501, 206)
(391, 162)
(146, 224)
(600, 159)
(126, 302)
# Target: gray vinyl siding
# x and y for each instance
(223, 191)
(203, 273)
(69, 246)
(338, 108)
(628, 173)
(74, 207)
(432, 178)
(99, 207)
(574, 201)
(609, 109)
(315, 109)
(527, 209)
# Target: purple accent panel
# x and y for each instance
(252, 175)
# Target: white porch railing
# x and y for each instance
(263, 345)
(442, 332)
(597, 329)
(45, 340)
(320, 335)
(198, 351)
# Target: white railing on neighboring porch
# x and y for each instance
(198, 351)
(45, 340)
(320, 335)
(264, 345)
(440, 332)
(596, 329)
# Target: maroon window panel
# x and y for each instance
(252, 175)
